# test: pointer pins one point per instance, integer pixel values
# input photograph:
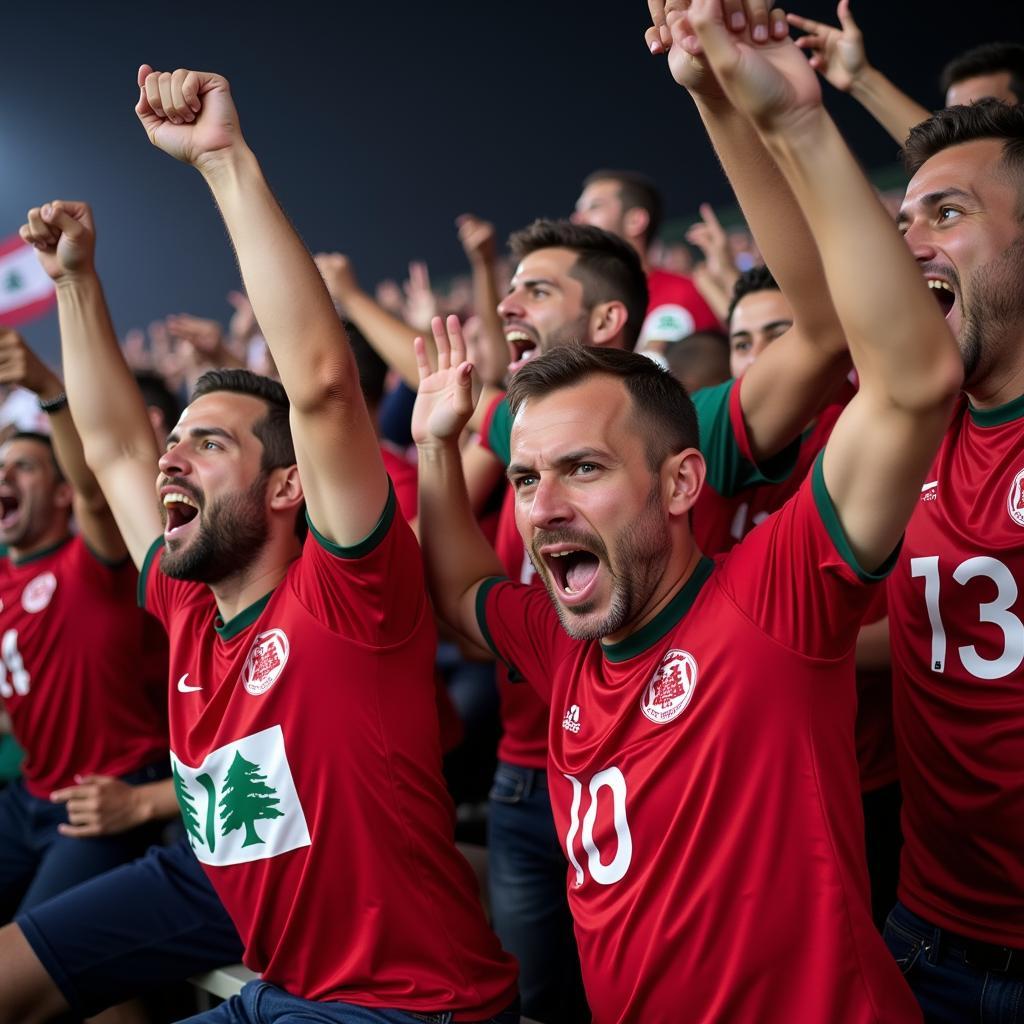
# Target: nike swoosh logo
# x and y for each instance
(183, 687)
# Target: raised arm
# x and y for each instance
(838, 53)
(19, 365)
(907, 359)
(116, 437)
(390, 336)
(456, 554)
(478, 242)
(791, 381)
(191, 116)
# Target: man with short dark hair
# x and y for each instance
(280, 728)
(956, 609)
(703, 775)
(992, 70)
(629, 205)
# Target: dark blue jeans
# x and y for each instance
(526, 868)
(37, 863)
(260, 1003)
(944, 972)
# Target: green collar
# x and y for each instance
(1005, 413)
(669, 616)
(36, 555)
(229, 630)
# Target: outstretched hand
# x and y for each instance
(836, 53)
(64, 237)
(672, 33)
(188, 114)
(771, 83)
(447, 395)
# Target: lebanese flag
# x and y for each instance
(26, 291)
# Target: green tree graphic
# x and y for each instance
(206, 782)
(187, 804)
(246, 799)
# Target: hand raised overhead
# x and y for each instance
(672, 33)
(837, 53)
(771, 83)
(446, 396)
(188, 114)
(64, 237)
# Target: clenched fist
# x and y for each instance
(188, 114)
(64, 237)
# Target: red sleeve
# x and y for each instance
(522, 629)
(374, 591)
(796, 576)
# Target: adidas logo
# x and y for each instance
(571, 722)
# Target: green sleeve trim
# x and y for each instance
(514, 675)
(830, 517)
(499, 436)
(728, 471)
(362, 548)
(147, 564)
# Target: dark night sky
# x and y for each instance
(378, 123)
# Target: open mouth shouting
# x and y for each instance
(180, 509)
(574, 572)
(523, 345)
(944, 293)
(10, 508)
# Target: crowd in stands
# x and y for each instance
(676, 587)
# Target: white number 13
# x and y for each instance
(997, 611)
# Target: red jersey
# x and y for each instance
(307, 762)
(675, 309)
(956, 614)
(524, 715)
(73, 667)
(703, 779)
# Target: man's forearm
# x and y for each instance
(774, 218)
(391, 337)
(109, 412)
(864, 256)
(288, 295)
(456, 554)
(892, 108)
(493, 349)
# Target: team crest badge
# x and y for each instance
(1015, 499)
(670, 689)
(38, 592)
(266, 661)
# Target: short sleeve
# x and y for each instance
(726, 446)
(522, 629)
(797, 577)
(372, 592)
(496, 432)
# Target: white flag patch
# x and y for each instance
(240, 804)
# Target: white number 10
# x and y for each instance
(603, 874)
